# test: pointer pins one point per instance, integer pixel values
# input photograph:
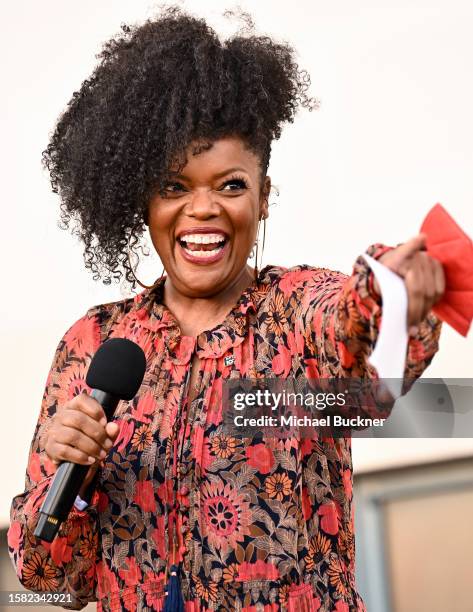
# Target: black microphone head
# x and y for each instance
(118, 368)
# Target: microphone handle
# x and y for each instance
(67, 482)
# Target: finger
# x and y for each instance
(112, 430)
(81, 422)
(410, 247)
(64, 452)
(415, 292)
(88, 405)
(439, 279)
(75, 438)
(426, 267)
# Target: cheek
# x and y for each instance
(160, 227)
(245, 223)
(161, 243)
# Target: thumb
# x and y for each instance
(112, 430)
(409, 248)
(398, 257)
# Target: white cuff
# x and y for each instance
(80, 504)
(389, 354)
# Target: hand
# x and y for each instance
(423, 276)
(79, 433)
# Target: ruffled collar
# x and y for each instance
(151, 313)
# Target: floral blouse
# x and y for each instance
(261, 524)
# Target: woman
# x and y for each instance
(173, 131)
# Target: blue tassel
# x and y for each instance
(174, 601)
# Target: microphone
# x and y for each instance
(115, 373)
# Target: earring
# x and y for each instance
(142, 284)
(257, 268)
(133, 271)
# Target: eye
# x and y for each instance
(167, 190)
(172, 189)
(238, 182)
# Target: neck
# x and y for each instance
(195, 315)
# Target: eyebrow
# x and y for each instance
(215, 176)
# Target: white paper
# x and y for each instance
(389, 354)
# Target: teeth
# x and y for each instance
(203, 254)
(202, 238)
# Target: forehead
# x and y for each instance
(217, 155)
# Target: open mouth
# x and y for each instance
(203, 246)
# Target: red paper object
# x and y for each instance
(448, 243)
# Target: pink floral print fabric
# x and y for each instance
(256, 524)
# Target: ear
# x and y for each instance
(264, 212)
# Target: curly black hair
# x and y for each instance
(158, 87)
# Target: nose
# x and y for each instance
(203, 205)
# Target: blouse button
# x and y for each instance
(184, 490)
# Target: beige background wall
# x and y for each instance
(440, 529)
(414, 537)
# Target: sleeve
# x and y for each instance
(340, 318)
(67, 565)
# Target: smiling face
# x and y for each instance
(205, 226)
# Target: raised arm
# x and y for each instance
(340, 319)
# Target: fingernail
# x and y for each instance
(108, 444)
(103, 454)
(91, 459)
(414, 330)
